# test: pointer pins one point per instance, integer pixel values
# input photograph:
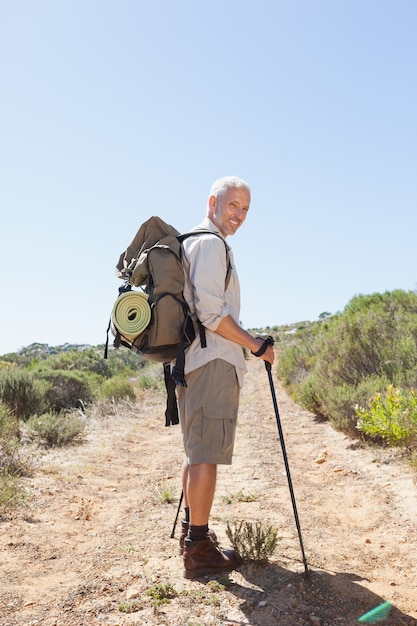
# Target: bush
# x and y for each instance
(86, 360)
(56, 429)
(147, 381)
(308, 395)
(161, 593)
(67, 389)
(12, 463)
(151, 377)
(391, 416)
(341, 362)
(12, 493)
(9, 423)
(125, 361)
(254, 542)
(22, 392)
(117, 389)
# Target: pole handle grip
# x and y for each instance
(269, 342)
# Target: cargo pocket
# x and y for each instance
(218, 431)
(220, 411)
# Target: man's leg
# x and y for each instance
(200, 488)
(185, 483)
(186, 521)
(208, 411)
(201, 554)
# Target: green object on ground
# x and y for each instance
(378, 614)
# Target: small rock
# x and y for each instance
(132, 593)
(262, 603)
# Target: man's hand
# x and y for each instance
(265, 350)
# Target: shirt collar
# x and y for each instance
(207, 224)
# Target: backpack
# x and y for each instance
(153, 263)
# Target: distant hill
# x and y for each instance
(44, 349)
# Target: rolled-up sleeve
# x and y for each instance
(207, 265)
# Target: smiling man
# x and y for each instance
(208, 404)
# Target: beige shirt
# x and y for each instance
(205, 267)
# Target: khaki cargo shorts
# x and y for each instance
(208, 409)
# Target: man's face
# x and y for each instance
(229, 211)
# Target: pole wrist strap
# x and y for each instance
(262, 349)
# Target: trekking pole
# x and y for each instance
(176, 517)
(284, 454)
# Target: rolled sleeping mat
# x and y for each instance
(131, 314)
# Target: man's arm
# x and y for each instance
(229, 329)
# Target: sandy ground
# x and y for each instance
(95, 536)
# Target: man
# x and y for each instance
(208, 405)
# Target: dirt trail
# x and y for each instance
(95, 536)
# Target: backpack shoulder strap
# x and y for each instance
(203, 231)
(179, 366)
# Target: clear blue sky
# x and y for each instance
(111, 112)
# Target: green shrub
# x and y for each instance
(124, 361)
(68, 389)
(253, 541)
(13, 464)
(9, 423)
(131, 606)
(342, 361)
(84, 360)
(117, 389)
(308, 395)
(152, 377)
(391, 416)
(22, 392)
(55, 429)
(165, 492)
(12, 460)
(12, 493)
(161, 593)
(291, 365)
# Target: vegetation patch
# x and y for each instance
(22, 392)
(165, 493)
(201, 596)
(14, 462)
(253, 541)
(117, 388)
(240, 496)
(130, 607)
(351, 359)
(47, 395)
(391, 416)
(54, 429)
(161, 593)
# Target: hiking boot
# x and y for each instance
(184, 531)
(204, 557)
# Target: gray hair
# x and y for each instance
(220, 186)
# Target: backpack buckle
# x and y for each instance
(178, 376)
